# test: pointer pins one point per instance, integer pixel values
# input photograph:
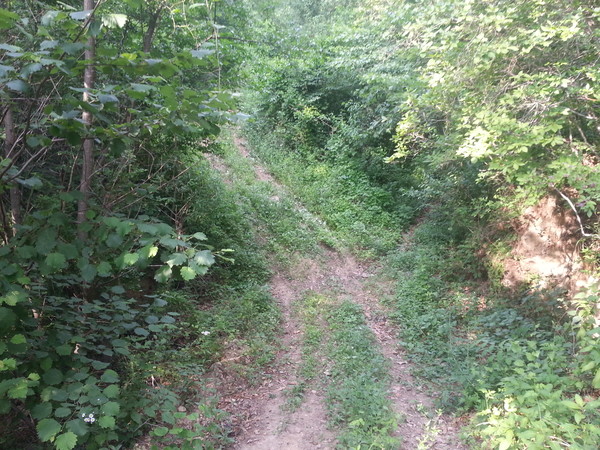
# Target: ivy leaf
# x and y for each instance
(66, 441)
(47, 429)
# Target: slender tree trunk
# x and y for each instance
(89, 76)
(14, 191)
(149, 35)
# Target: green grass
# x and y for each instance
(360, 214)
(357, 385)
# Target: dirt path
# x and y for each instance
(263, 422)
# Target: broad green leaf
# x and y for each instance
(187, 273)
(141, 332)
(56, 261)
(596, 380)
(41, 410)
(18, 86)
(47, 429)
(111, 408)
(4, 70)
(111, 391)
(77, 426)
(114, 20)
(171, 243)
(46, 241)
(7, 19)
(110, 376)
(99, 365)
(201, 53)
(160, 431)
(176, 259)
(19, 389)
(13, 297)
(66, 441)
(107, 422)
(114, 240)
(117, 289)
(18, 339)
(88, 273)
(130, 258)
(107, 98)
(104, 269)
(199, 236)
(53, 377)
(81, 15)
(32, 183)
(64, 350)
(163, 274)
(148, 252)
(62, 412)
(204, 257)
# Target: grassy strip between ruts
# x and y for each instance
(357, 379)
(309, 312)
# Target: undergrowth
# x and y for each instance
(529, 371)
(360, 214)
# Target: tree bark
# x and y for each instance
(14, 191)
(149, 35)
(89, 76)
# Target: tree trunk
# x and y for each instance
(14, 191)
(89, 76)
(149, 35)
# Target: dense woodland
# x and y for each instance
(417, 132)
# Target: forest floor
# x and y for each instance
(291, 404)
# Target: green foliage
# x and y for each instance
(69, 324)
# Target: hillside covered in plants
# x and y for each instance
(260, 224)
